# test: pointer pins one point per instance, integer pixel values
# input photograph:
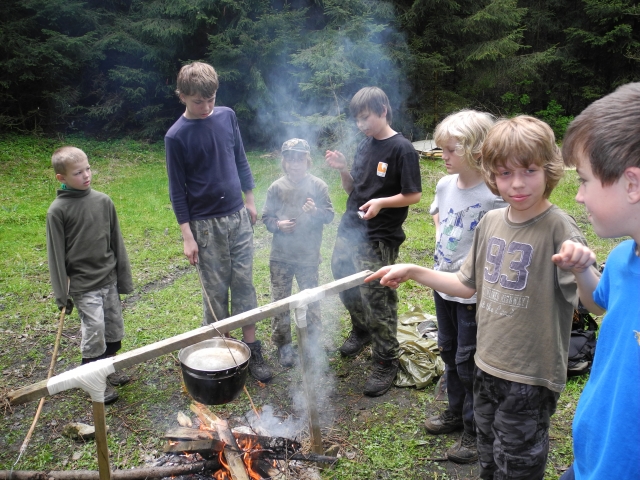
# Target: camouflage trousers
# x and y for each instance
(373, 308)
(100, 313)
(512, 422)
(281, 284)
(225, 256)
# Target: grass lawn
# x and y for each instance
(379, 439)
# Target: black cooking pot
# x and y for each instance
(215, 370)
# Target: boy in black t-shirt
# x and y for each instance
(384, 180)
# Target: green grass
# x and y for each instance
(386, 440)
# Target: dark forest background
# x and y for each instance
(107, 68)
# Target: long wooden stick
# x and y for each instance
(54, 358)
(131, 474)
(157, 349)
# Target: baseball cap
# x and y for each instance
(296, 145)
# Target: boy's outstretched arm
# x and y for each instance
(447, 282)
(579, 259)
(336, 160)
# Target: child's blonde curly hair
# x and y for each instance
(469, 128)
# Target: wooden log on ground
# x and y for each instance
(181, 436)
(214, 446)
(157, 349)
(132, 474)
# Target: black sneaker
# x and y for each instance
(286, 356)
(446, 422)
(258, 368)
(381, 378)
(110, 394)
(353, 345)
(117, 379)
(464, 450)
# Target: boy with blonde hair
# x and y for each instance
(88, 262)
(208, 175)
(525, 302)
(296, 210)
(383, 181)
(461, 200)
(603, 144)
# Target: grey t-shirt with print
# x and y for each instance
(460, 211)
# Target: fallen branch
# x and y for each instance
(132, 474)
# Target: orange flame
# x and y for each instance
(223, 472)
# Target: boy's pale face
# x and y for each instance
(453, 162)
(296, 166)
(373, 125)
(77, 176)
(605, 205)
(523, 189)
(198, 108)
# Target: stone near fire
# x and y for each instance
(184, 420)
(332, 451)
(79, 431)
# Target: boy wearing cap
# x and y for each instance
(296, 209)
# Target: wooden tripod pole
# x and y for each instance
(100, 423)
(303, 346)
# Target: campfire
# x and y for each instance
(241, 453)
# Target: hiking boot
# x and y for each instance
(446, 422)
(381, 378)
(286, 356)
(110, 394)
(117, 379)
(353, 345)
(464, 450)
(258, 368)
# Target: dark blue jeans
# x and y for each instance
(457, 331)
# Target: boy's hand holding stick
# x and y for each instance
(392, 275)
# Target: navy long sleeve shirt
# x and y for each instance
(207, 166)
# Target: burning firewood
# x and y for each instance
(230, 451)
(274, 444)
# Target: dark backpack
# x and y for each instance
(582, 346)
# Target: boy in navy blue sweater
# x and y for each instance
(208, 174)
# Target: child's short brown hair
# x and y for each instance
(64, 157)
(372, 99)
(608, 133)
(469, 128)
(197, 78)
(524, 141)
